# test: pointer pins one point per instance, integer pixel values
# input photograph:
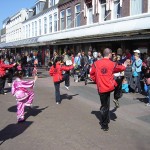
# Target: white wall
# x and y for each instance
(27, 23)
(14, 27)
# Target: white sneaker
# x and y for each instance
(57, 103)
(148, 104)
(29, 105)
(9, 84)
(67, 88)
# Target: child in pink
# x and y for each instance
(24, 94)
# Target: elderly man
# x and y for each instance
(103, 74)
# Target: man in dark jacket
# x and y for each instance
(102, 73)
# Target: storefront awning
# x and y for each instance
(118, 26)
(19, 43)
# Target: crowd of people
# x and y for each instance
(127, 72)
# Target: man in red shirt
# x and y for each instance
(102, 73)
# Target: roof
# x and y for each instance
(61, 2)
(41, 13)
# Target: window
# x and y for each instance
(62, 20)
(90, 17)
(117, 8)
(35, 28)
(103, 10)
(50, 23)
(45, 25)
(32, 29)
(40, 27)
(55, 22)
(77, 15)
(39, 7)
(29, 30)
(26, 31)
(52, 3)
(68, 18)
(136, 7)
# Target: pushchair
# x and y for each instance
(77, 74)
(83, 73)
(87, 78)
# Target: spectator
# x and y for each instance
(137, 68)
(128, 73)
(125, 86)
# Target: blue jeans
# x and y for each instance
(57, 86)
(148, 93)
(137, 82)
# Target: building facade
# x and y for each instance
(56, 25)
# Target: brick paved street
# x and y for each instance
(73, 125)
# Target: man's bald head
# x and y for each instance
(107, 52)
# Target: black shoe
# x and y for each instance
(116, 102)
(21, 120)
(105, 127)
(3, 93)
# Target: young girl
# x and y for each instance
(24, 95)
(56, 71)
(125, 86)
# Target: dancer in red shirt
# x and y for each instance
(56, 71)
(102, 73)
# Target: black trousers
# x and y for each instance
(105, 106)
(2, 84)
(57, 86)
(118, 89)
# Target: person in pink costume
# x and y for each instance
(23, 91)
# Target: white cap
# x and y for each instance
(136, 51)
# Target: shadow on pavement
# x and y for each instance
(66, 96)
(112, 115)
(29, 111)
(144, 100)
(13, 130)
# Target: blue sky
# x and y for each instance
(11, 7)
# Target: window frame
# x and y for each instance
(135, 13)
(40, 26)
(77, 15)
(45, 25)
(55, 22)
(62, 20)
(50, 24)
(68, 24)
